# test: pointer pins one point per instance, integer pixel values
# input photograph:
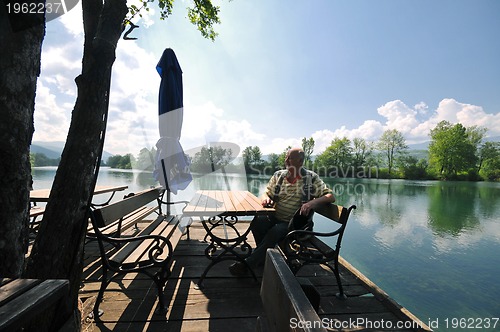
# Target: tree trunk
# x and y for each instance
(58, 248)
(20, 45)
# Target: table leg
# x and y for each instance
(225, 248)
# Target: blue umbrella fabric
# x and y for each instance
(172, 165)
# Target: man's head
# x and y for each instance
(294, 160)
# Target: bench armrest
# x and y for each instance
(156, 249)
(298, 243)
(126, 239)
(161, 201)
(312, 233)
(176, 202)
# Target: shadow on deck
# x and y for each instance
(226, 303)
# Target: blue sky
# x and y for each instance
(280, 71)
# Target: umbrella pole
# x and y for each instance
(223, 170)
(166, 186)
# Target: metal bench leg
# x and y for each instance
(162, 309)
(100, 295)
(340, 295)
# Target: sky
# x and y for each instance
(283, 70)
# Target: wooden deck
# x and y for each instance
(226, 303)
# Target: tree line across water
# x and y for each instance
(455, 152)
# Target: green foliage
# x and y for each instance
(40, 159)
(493, 175)
(489, 161)
(473, 175)
(308, 147)
(336, 159)
(211, 159)
(362, 151)
(412, 168)
(392, 143)
(282, 155)
(273, 162)
(121, 162)
(345, 158)
(383, 173)
(145, 160)
(252, 159)
(453, 148)
(203, 14)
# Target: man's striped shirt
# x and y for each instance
(290, 195)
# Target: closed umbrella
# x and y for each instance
(172, 165)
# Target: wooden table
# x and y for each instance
(218, 211)
(42, 195)
(23, 299)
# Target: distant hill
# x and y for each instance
(35, 148)
(492, 139)
(419, 146)
(53, 150)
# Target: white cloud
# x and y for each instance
(132, 121)
(487, 231)
(56, 87)
(133, 116)
(278, 145)
(370, 130)
(398, 115)
(72, 20)
(468, 115)
(200, 123)
(421, 108)
(455, 112)
(51, 121)
(205, 123)
(322, 139)
(60, 66)
(405, 119)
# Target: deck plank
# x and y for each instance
(226, 303)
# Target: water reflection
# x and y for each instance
(398, 209)
(451, 208)
(431, 245)
(447, 208)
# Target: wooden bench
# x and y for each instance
(286, 306)
(148, 252)
(122, 222)
(35, 212)
(21, 300)
(302, 247)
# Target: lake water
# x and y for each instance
(433, 246)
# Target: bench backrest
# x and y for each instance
(285, 303)
(115, 211)
(334, 212)
(338, 214)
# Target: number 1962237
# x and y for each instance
(471, 323)
(35, 8)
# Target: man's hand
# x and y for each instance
(306, 208)
(267, 202)
(312, 204)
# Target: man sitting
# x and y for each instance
(289, 191)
